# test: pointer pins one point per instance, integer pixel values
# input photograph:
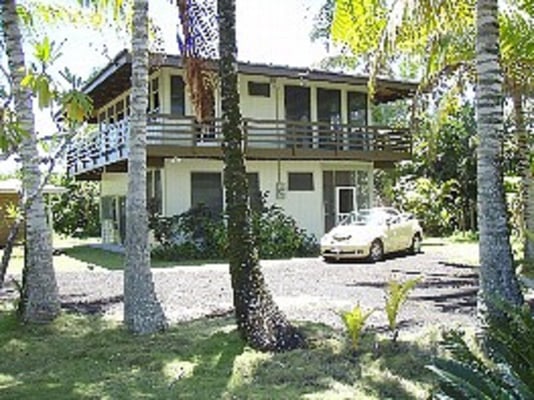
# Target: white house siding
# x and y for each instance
(114, 184)
(305, 206)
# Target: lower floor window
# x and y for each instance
(206, 190)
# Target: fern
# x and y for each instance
(355, 322)
(396, 296)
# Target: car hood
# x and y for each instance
(359, 233)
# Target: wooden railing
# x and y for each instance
(110, 145)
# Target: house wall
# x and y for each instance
(256, 107)
(305, 206)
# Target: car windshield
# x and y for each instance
(366, 217)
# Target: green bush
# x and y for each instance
(77, 211)
(435, 205)
(198, 234)
(193, 235)
(507, 372)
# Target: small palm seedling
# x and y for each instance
(355, 322)
(396, 296)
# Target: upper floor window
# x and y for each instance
(329, 107)
(177, 95)
(262, 89)
(300, 181)
(357, 108)
(153, 106)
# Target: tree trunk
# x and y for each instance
(142, 311)
(259, 320)
(497, 276)
(40, 301)
(526, 188)
(8, 249)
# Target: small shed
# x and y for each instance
(10, 191)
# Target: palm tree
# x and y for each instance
(497, 277)
(260, 322)
(40, 301)
(428, 30)
(142, 311)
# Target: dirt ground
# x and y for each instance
(305, 288)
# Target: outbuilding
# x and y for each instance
(10, 192)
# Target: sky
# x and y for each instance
(272, 31)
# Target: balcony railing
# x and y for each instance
(168, 135)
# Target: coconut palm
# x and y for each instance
(40, 302)
(497, 277)
(441, 31)
(259, 320)
(142, 311)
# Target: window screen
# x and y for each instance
(262, 89)
(299, 181)
(357, 108)
(177, 95)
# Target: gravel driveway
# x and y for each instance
(306, 289)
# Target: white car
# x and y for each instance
(372, 233)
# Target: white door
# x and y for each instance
(345, 201)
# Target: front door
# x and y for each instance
(345, 201)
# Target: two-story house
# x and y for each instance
(309, 141)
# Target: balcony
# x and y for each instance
(171, 136)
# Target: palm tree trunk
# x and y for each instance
(526, 187)
(259, 320)
(40, 301)
(497, 277)
(142, 311)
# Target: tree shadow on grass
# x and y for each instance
(95, 307)
(80, 357)
(329, 368)
(86, 357)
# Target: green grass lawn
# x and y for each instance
(79, 357)
(105, 259)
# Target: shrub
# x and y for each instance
(435, 205)
(397, 294)
(278, 235)
(198, 234)
(355, 322)
(77, 211)
(507, 372)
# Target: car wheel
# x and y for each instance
(329, 260)
(415, 248)
(376, 252)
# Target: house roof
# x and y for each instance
(14, 186)
(114, 78)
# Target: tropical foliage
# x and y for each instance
(396, 296)
(354, 321)
(508, 372)
(77, 211)
(199, 235)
